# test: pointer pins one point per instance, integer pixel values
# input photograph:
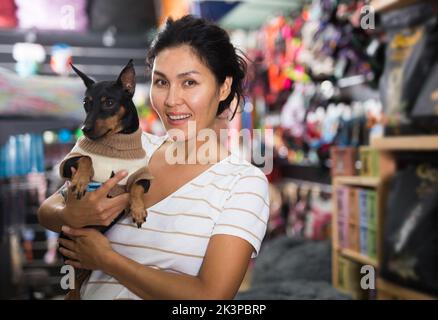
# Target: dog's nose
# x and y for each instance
(86, 130)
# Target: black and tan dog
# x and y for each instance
(111, 142)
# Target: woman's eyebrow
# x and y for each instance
(185, 74)
(181, 75)
(159, 73)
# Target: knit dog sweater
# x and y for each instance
(111, 154)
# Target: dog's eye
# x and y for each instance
(109, 103)
(86, 104)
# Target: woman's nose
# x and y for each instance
(173, 97)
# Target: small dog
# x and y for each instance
(111, 142)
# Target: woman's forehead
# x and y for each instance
(179, 61)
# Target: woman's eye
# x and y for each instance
(190, 83)
(160, 82)
(109, 103)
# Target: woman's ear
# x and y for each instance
(225, 88)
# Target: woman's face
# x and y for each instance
(184, 90)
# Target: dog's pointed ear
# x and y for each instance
(127, 78)
(87, 81)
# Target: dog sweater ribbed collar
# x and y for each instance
(121, 146)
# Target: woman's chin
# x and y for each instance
(181, 133)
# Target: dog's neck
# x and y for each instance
(120, 145)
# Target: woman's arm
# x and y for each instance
(220, 276)
(93, 209)
(51, 213)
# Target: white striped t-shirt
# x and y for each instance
(231, 197)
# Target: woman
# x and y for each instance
(207, 217)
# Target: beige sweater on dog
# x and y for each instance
(111, 154)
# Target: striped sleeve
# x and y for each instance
(246, 210)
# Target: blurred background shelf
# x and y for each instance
(358, 181)
(358, 257)
(408, 143)
(389, 290)
(88, 49)
(386, 5)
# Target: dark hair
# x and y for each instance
(212, 45)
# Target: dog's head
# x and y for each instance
(108, 104)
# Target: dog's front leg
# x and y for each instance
(82, 177)
(137, 205)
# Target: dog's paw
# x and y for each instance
(139, 215)
(79, 185)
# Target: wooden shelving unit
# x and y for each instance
(386, 148)
(356, 256)
(390, 291)
(374, 183)
(358, 181)
(416, 143)
(388, 5)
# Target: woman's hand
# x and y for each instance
(87, 249)
(95, 208)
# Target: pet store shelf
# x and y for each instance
(357, 181)
(408, 143)
(311, 173)
(358, 257)
(39, 263)
(387, 149)
(389, 290)
(88, 50)
(386, 5)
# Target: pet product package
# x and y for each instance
(425, 111)
(412, 50)
(410, 240)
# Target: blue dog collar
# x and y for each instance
(92, 186)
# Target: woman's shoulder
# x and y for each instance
(247, 167)
(244, 170)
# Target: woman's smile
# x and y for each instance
(178, 119)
